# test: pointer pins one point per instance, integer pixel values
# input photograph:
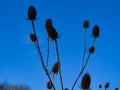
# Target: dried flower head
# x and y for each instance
(66, 88)
(116, 88)
(96, 31)
(33, 37)
(52, 33)
(56, 67)
(48, 23)
(100, 86)
(32, 13)
(86, 24)
(92, 49)
(86, 80)
(107, 85)
(49, 85)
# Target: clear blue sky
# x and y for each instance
(19, 62)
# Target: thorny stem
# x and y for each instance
(93, 41)
(40, 55)
(84, 52)
(80, 73)
(47, 52)
(59, 62)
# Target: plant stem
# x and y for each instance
(40, 55)
(47, 53)
(80, 73)
(59, 63)
(84, 52)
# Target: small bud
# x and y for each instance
(49, 85)
(48, 23)
(95, 32)
(52, 33)
(86, 80)
(86, 24)
(107, 85)
(32, 13)
(92, 49)
(56, 67)
(116, 88)
(33, 37)
(100, 86)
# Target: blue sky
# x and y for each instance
(19, 62)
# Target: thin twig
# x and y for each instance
(40, 55)
(84, 52)
(59, 63)
(80, 73)
(47, 53)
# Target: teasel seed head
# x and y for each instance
(96, 31)
(31, 13)
(107, 85)
(86, 24)
(92, 49)
(33, 37)
(86, 80)
(48, 23)
(52, 33)
(66, 88)
(100, 86)
(49, 85)
(116, 88)
(56, 67)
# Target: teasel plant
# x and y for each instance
(56, 69)
(32, 13)
(95, 34)
(53, 35)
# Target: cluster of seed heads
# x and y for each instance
(51, 31)
(106, 86)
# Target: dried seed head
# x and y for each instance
(66, 88)
(52, 33)
(92, 49)
(56, 67)
(86, 24)
(86, 80)
(49, 85)
(48, 23)
(33, 37)
(96, 31)
(100, 86)
(107, 85)
(116, 88)
(31, 13)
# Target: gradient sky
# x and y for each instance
(19, 61)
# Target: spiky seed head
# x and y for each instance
(56, 67)
(116, 88)
(66, 88)
(33, 37)
(52, 33)
(107, 85)
(49, 85)
(92, 49)
(48, 23)
(32, 13)
(100, 86)
(96, 31)
(86, 24)
(86, 80)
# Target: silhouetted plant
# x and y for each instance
(53, 35)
